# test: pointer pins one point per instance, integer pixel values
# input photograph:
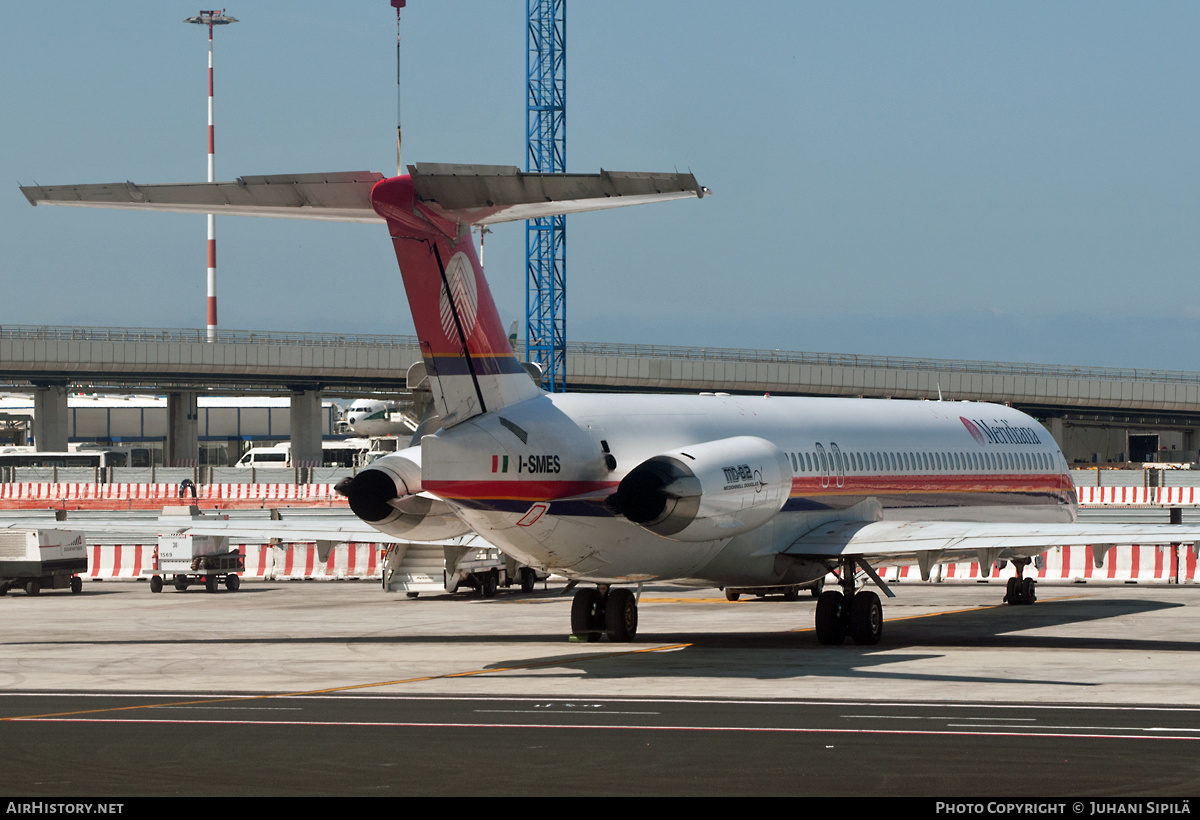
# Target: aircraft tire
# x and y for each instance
(866, 618)
(583, 614)
(831, 628)
(732, 596)
(528, 579)
(1028, 590)
(621, 616)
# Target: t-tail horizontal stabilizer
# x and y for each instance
(429, 212)
(474, 194)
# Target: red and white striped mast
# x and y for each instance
(210, 19)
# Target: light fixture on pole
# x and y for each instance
(210, 19)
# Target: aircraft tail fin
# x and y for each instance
(429, 213)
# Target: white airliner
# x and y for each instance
(614, 491)
(372, 417)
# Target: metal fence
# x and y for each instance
(199, 335)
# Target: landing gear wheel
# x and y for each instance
(730, 595)
(32, 587)
(156, 583)
(232, 582)
(1021, 591)
(621, 616)
(866, 618)
(76, 585)
(210, 583)
(528, 579)
(489, 582)
(584, 618)
(831, 625)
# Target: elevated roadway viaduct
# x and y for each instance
(1104, 413)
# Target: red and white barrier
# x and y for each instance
(119, 560)
(1138, 496)
(263, 561)
(1152, 564)
(80, 495)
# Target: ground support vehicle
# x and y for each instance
(184, 560)
(37, 559)
(453, 565)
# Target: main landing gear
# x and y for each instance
(1021, 590)
(847, 612)
(604, 610)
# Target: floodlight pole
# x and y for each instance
(210, 19)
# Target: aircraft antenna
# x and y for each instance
(398, 4)
(210, 19)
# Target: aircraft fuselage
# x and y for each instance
(551, 464)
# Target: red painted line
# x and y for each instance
(1026, 733)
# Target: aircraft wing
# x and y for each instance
(337, 530)
(474, 194)
(897, 541)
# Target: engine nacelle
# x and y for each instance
(387, 495)
(707, 491)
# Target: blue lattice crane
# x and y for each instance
(546, 238)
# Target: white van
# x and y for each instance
(277, 456)
(348, 453)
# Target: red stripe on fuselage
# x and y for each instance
(802, 487)
(807, 486)
(538, 490)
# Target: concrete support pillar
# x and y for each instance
(1055, 426)
(183, 439)
(306, 428)
(50, 422)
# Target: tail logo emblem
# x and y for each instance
(462, 298)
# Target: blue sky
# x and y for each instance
(1014, 181)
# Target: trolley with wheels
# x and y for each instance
(186, 560)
